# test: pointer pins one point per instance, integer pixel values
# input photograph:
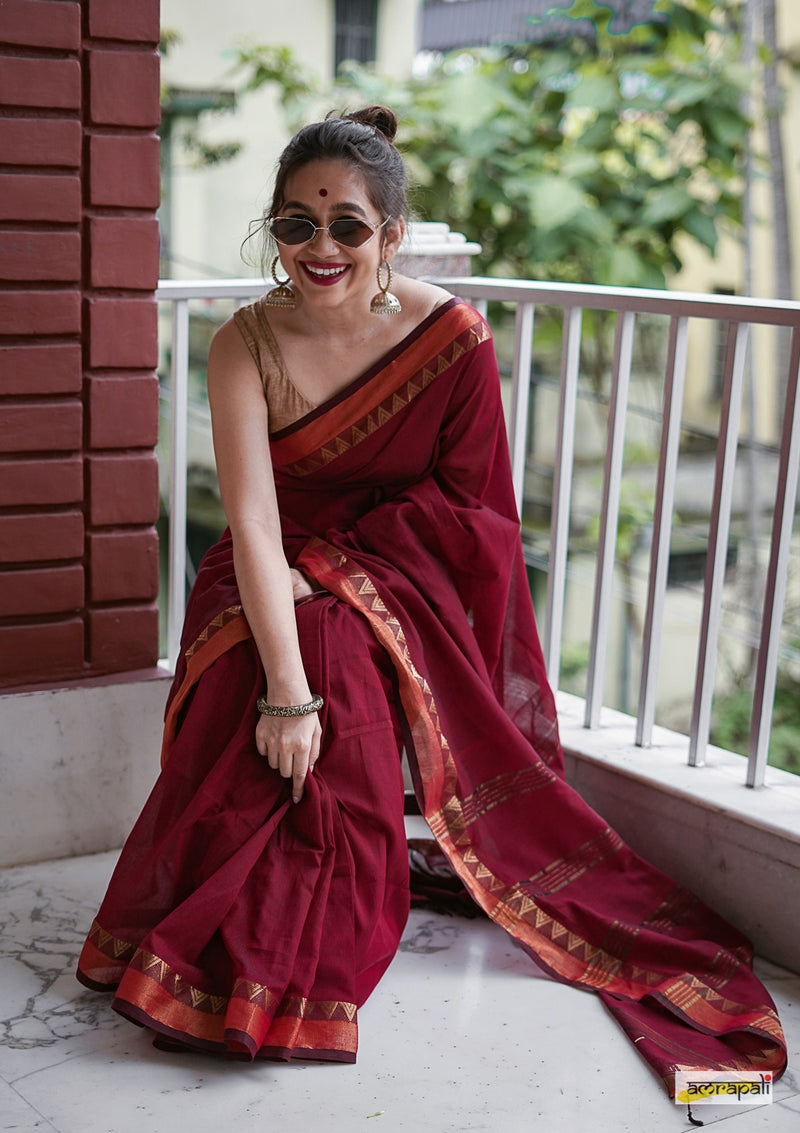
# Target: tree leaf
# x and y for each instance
(555, 200)
(598, 91)
(729, 126)
(688, 92)
(702, 227)
(666, 203)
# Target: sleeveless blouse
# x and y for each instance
(285, 403)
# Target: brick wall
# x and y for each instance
(79, 186)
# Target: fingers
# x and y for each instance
(293, 756)
(299, 779)
(313, 754)
(305, 765)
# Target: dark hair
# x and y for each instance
(364, 139)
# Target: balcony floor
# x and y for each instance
(462, 1034)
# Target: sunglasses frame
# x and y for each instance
(374, 229)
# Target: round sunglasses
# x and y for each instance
(348, 232)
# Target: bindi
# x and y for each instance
(323, 192)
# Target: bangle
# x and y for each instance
(267, 709)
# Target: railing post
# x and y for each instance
(782, 523)
(719, 527)
(520, 398)
(662, 527)
(609, 515)
(177, 515)
(562, 491)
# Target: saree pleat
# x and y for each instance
(236, 921)
(396, 499)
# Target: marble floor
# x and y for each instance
(462, 1035)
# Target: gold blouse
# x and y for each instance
(285, 403)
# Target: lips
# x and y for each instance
(324, 275)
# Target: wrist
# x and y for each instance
(287, 692)
(266, 708)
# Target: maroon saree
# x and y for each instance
(239, 923)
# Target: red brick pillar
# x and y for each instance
(79, 186)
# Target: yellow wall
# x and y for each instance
(726, 269)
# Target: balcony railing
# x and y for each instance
(625, 307)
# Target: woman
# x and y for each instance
(370, 594)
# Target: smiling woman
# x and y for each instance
(370, 595)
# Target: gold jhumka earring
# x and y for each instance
(384, 303)
(281, 294)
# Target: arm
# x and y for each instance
(266, 584)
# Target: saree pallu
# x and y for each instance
(396, 499)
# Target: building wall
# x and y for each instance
(725, 270)
(79, 188)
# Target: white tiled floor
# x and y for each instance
(462, 1035)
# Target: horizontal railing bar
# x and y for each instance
(171, 289)
(736, 308)
(733, 308)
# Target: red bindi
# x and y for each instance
(323, 192)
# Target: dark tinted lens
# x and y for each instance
(292, 230)
(351, 233)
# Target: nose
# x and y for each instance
(323, 234)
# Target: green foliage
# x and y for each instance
(731, 724)
(583, 159)
(201, 152)
(264, 64)
(169, 38)
(636, 506)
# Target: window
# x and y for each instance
(356, 31)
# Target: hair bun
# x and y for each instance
(380, 118)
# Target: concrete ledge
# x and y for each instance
(77, 763)
(737, 848)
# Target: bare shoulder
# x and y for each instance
(228, 355)
(227, 341)
(419, 298)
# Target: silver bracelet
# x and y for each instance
(267, 709)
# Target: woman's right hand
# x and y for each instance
(302, 587)
(290, 744)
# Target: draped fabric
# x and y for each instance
(241, 923)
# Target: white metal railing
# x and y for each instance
(739, 315)
(179, 293)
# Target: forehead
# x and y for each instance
(341, 182)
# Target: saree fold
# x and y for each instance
(239, 922)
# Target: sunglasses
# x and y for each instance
(349, 233)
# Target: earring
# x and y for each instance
(281, 294)
(384, 303)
